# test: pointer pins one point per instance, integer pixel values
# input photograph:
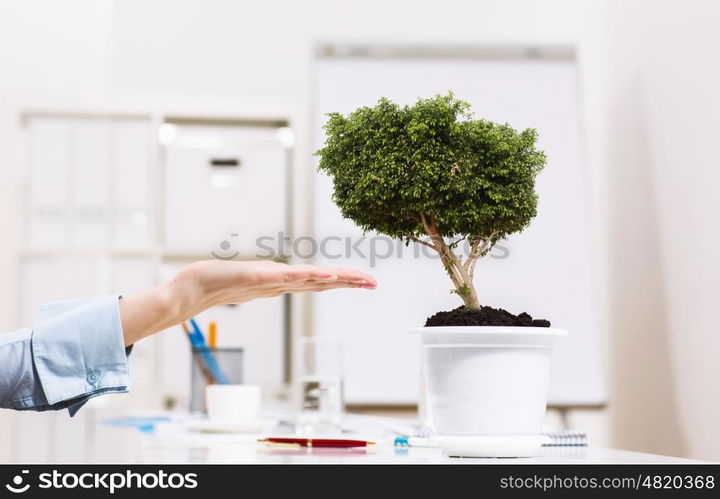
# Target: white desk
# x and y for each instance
(175, 444)
(154, 452)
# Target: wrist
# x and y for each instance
(147, 313)
(186, 294)
(168, 300)
(164, 306)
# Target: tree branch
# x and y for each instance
(425, 224)
(457, 241)
(477, 249)
(472, 262)
(487, 243)
(446, 254)
(473, 251)
(418, 240)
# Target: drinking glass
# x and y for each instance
(319, 389)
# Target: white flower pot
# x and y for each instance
(483, 383)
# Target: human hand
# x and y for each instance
(209, 283)
(216, 282)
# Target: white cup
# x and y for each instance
(232, 402)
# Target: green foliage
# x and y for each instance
(390, 163)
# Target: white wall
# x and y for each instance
(49, 50)
(648, 94)
(664, 157)
(55, 47)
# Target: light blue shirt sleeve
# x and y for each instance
(74, 352)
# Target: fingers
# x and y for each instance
(313, 285)
(295, 273)
(303, 287)
(310, 285)
(356, 276)
(320, 288)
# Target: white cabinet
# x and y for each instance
(96, 185)
(132, 183)
(101, 218)
(89, 181)
(90, 174)
(45, 280)
(223, 184)
(49, 162)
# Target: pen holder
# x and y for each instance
(230, 361)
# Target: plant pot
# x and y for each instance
(483, 383)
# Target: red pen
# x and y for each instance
(315, 442)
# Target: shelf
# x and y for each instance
(174, 256)
(162, 254)
(86, 252)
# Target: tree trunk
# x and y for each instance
(461, 276)
(464, 286)
(469, 295)
(470, 299)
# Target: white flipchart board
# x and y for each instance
(549, 270)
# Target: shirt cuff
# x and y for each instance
(79, 351)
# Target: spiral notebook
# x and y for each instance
(557, 438)
(566, 438)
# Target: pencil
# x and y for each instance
(212, 335)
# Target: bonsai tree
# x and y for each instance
(430, 174)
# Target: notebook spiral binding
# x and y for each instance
(558, 438)
(566, 438)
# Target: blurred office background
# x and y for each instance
(107, 107)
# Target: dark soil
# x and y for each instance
(486, 316)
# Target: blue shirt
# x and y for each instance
(74, 352)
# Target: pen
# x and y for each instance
(206, 374)
(198, 341)
(315, 442)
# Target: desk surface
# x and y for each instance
(174, 444)
(159, 453)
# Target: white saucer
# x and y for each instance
(210, 426)
(491, 445)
